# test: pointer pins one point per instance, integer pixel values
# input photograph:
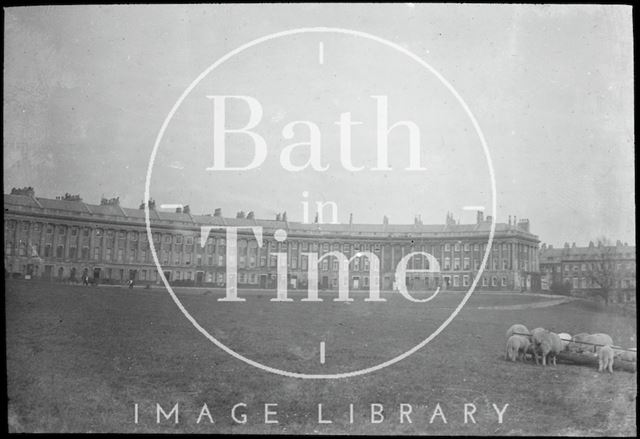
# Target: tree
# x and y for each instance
(602, 270)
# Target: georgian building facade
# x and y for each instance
(65, 239)
(573, 266)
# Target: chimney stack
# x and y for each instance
(523, 224)
(450, 220)
(110, 201)
(68, 197)
(479, 217)
(350, 218)
(28, 191)
(217, 212)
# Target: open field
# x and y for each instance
(79, 358)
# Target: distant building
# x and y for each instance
(66, 238)
(574, 266)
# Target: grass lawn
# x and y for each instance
(79, 358)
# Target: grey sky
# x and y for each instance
(87, 89)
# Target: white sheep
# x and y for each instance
(625, 355)
(598, 340)
(566, 339)
(520, 331)
(605, 359)
(577, 347)
(536, 339)
(516, 347)
(550, 345)
(517, 328)
(536, 335)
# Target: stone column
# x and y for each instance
(105, 238)
(43, 234)
(92, 242)
(28, 238)
(125, 253)
(16, 240)
(67, 240)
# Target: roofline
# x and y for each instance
(351, 229)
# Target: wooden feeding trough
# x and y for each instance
(588, 356)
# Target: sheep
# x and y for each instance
(599, 340)
(521, 329)
(536, 335)
(566, 339)
(516, 345)
(550, 345)
(530, 352)
(605, 359)
(576, 347)
(518, 330)
(625, 355)
(536, 339)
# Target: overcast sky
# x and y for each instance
(87, 88)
